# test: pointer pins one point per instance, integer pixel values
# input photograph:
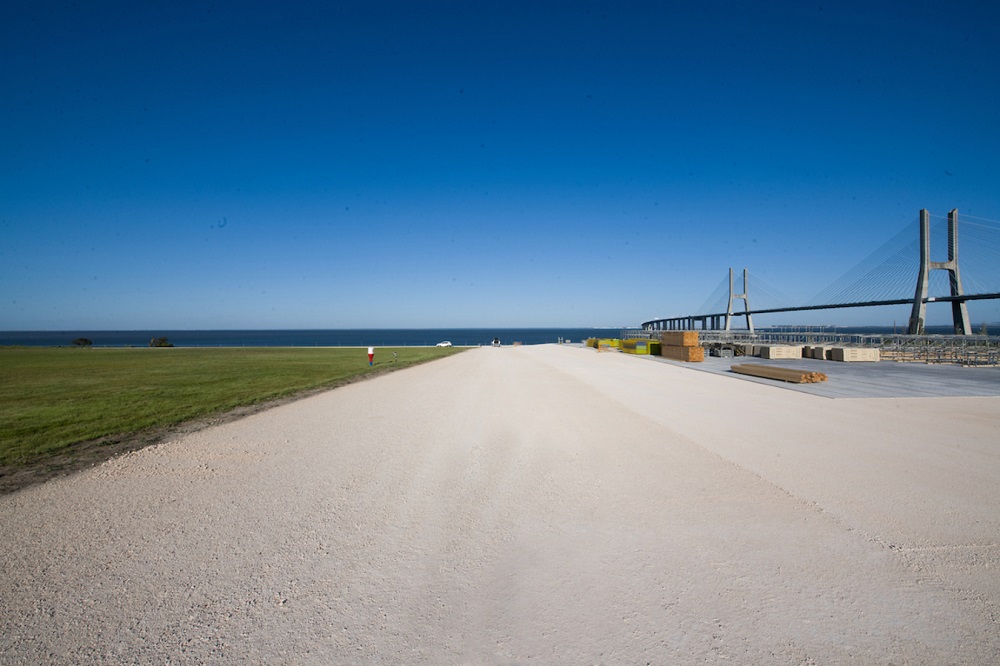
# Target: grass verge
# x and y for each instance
(64, 408)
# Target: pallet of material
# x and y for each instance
(781, 374)
(678, 353)
(609, 344)
(679, 338)
(853, 354)
(641, 346)
(780, 351)
(819, 353)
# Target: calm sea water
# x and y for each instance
(381, 337)
(308, 338)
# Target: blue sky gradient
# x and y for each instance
(403, 164)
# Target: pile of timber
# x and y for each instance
(781, 374)
(681, 346)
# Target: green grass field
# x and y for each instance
(52, 398)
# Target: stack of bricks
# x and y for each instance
(681, 346)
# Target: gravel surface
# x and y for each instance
(543, 504)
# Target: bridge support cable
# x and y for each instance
(959, 309)
(717, 300)
(743, 297)
(980, 255)
(879, 276)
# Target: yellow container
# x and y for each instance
(641, 346)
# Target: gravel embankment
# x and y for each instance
(544, 504)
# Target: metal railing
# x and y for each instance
(970, 350)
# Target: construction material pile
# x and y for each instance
(779, 351)
(641, 346)
(681, 346)
(604, 344)
(781, 374)
(848, 354)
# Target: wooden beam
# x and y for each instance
(781, 374)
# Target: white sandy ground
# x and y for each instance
(545, 505)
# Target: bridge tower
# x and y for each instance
(959, 310)
(743, 296)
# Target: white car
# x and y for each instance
(443, 344)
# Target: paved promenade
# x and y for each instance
(547, 505)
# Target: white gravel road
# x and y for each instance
(545, 504)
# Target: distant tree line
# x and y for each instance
(160, 342)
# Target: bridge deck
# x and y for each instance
(885, 379)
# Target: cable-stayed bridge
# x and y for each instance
(900, 272)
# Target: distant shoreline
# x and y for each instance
(404, 337)
(380, 337)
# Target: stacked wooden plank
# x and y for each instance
(681, 346)
(779, 373)
(687, 354)
(679, 338)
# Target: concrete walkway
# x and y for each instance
(884, 379)
(545, 504)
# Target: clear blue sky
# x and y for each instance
(441, 164)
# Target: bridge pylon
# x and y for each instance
(743, 297)
(959, 310)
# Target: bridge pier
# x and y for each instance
(743, 297)
(959, 309)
